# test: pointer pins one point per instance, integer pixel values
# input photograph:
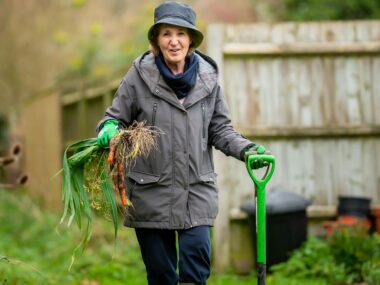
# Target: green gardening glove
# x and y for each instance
(259, 149)
(109, 130)
(259, 163)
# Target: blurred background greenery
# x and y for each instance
(44, 43)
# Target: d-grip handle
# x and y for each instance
(271, 161)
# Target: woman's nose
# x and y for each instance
(174, 41)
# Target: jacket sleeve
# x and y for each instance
(222, 135)
(121, 108)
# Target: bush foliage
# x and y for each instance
(349, 256)
(309, 10)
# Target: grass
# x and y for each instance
(252, 280)
(34, 249)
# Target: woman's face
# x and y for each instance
(174, 43)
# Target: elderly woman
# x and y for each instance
(174, 191)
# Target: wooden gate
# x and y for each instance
(309, 92)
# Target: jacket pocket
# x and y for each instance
(205, 189)
(139, 178)
(150, 200)
(209, 178)
(143, 178)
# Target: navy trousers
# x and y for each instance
(159, 253)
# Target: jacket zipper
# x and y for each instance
(204, 120)
(154, 114)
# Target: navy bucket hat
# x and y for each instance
(178, 14)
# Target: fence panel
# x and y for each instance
(307, 91)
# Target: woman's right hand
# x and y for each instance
(109, 130)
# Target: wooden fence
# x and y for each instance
(53, 120)
(41, 120)
(310, 92)
(82, 110)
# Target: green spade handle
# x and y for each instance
(270, 159)
(260, 184)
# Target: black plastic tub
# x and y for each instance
(286, 224)
(285, 233)
(354, 206)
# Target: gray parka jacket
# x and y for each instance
(175, 187)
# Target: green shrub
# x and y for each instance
(306, 10)
(354, 248)
(347, 257)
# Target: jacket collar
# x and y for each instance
(206, 80)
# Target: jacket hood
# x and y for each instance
(146, 66)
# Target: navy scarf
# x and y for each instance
(181, 83)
